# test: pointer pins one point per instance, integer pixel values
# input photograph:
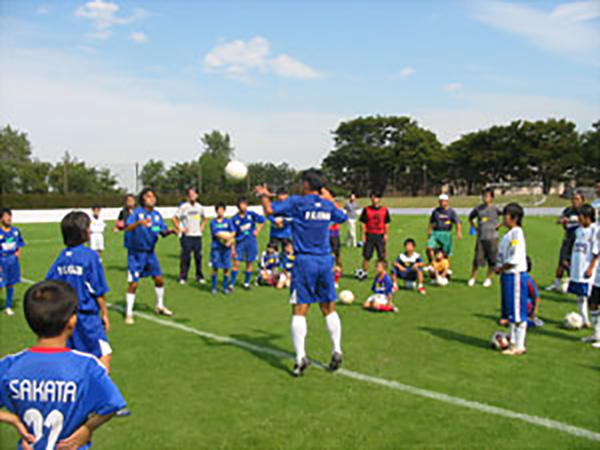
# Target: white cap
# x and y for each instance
(444, 197)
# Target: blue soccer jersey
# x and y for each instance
(216, 227)
(81, 268)
(283, 232)
(54, 390)
(311, 217)
(382, 285)
(244, 226)
(11, 241)
(143, 238)
(269, 261)
(287, 261)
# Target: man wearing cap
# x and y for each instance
(440, 228)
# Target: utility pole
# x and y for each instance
(137, 177)
(66, 173)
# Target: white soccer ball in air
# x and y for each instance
(236, 170)
(573, 321)
(500, 340)
(346, 297)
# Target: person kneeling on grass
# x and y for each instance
(408, 267)
(269, 266)
(382, 288)
(439, 270)
(287, 264)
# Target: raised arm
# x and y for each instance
(265, 198)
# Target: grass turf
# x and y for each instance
(186, 391)
(467, 201)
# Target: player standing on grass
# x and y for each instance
(511, 265)
(596, 203)
(281, 228)
(97, 227)
(375, 220)
(441, 222)
(485, 219)
(223, 240)
(247, 226)
(594, 300)
(144, 226)
(11, 243)
(312, 275)
(351, 208)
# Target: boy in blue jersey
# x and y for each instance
(222, 232)
(81, 268)
(382, 289)
(269, 266)
(61, 395)
(281, 227)
(11, 243)
(247, 226)
(312, 276)
(143, 227)
(286, 260)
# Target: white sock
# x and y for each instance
(582, 304)
(160, 297)
(557, 281)
(512, 330)
(521, 333)
(596, 323)
(334, 325)
(299, 330)
(129, 300)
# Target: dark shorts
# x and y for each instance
(280, 242)
(374, 242)
(594, 300)
(486, 251)
(336, 245)
(406, 275)
(566, 249)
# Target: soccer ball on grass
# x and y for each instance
(573, 321)
(500, 340)
(360, 274)
(346, 297)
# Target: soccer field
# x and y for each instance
(188, 387)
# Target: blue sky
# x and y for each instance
(116, 82)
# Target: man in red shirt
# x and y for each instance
(375, 220)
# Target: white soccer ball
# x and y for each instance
(573, 321)
(236, 170)
(360, 274)
(442, 281)
(500, 340)
(346, 297)
(409, 285)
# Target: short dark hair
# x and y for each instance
(315, 179)
(529, 264)
(272, 245)
(578, 193)
(488, 190)
(74, 227)
(383, 262)
(375, 194)
(5, 211)
(130, 195)
(282, 191)
(587, 211)
(191, 188)
(96, 207)
(515, 211)
(410, 241)
(143, 194)
(440, 250)
(242, 199)
(48, 307)
(220, 205)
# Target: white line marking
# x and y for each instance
(457, 401)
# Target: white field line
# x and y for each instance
(395, 385)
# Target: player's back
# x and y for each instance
(54, 390)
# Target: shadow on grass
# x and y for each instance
(450, 335)
(277, 359)
(556, 298)
(555, 334)
(118, 268)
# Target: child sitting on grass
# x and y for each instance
(269, 266)
(408, 267)
(382, 288)
(439, 270)
(287, 264)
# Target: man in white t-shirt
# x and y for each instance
(97, 226)
(189, 222)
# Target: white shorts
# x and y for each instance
(97, 241)
(378, 299)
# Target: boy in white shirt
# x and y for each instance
(511, 265)
(594, 300)
(583, 261)
(97, 227)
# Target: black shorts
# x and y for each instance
(280, 243)
(566, 249)
(374, 242)
(486, 251)
(336, 245)
(594, 300)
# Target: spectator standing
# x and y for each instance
(189, 222)
(351, 209)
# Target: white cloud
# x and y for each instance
(240, 58)
(453, 87)
(104, 15)
(407, 72)
(568, 29)
(139, 37)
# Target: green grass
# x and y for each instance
(468, 201)
(189, 392)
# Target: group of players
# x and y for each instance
(56, 385)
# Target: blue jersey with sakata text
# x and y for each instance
(311, 216)
(143, 238)
(54, 390)
(216, 227)
(245, 225)
(81, 268)
(11, 241)
(382, 285)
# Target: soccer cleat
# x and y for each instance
(299, 368)
(162, 311)
(596, 345)
(512, 351)
(422, 290)
(589, 339)
(9, 312)
(227, 291)
(247, 286)
(213, 291)
(201, 281)
(487, 282)
(335, 363)
(336, 285)
(181, 281)
(471, 282)
(129, 320)
(123, 412)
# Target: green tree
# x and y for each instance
(218, 151)
(33, 177)
(153, 175)
(183, 175)
(15, 153)
(589, 169)
(71, 176)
